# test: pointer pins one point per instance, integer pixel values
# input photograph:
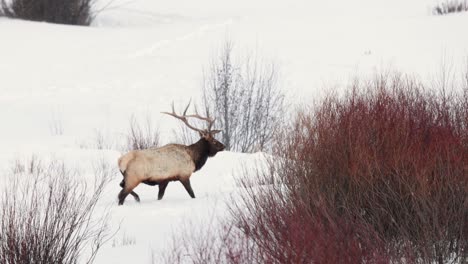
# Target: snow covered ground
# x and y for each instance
(62, 86)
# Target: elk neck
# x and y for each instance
(199, 152)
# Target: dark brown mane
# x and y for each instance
(199, 152)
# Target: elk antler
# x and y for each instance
(184, 116)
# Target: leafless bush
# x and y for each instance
(245, 100)
(267, 227)
(102, 141)
(125, 240)
(47, 216)
(71, 12)
(378, 175)
(451, 6)
(391, 156)
(282, 229)
(32, 165)
(217, 241)
(56, 124)
(142, 136)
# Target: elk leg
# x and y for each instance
(134, 194)
(122, 195)
(162, 189)
(126, 190)
(188, 187)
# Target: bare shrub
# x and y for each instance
(268, 227)
(245, 100)
(142, 136)
(47, 216)
(283, 230)
(216, 241)
(378, 175)
(32, 165)
(451, 6)
(125, 240)
(102, 141)
(375, 176)
(71, 12)
(390, 156)
(56, 124)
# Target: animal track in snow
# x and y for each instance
(153, 49)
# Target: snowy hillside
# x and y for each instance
(63, 86)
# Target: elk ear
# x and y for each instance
(214, 132)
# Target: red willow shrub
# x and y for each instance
(378, 175)
(388, 155)
(284, 230)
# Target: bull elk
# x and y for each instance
(172, 162)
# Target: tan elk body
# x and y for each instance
(158, 164)
(173, 162)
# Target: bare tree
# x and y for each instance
(245, 99)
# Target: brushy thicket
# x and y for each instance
(389, 160)
(71, 12)
(378, 175)
(47, 215)
(142, 135)
(451, 6)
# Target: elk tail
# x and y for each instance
(123, 162)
